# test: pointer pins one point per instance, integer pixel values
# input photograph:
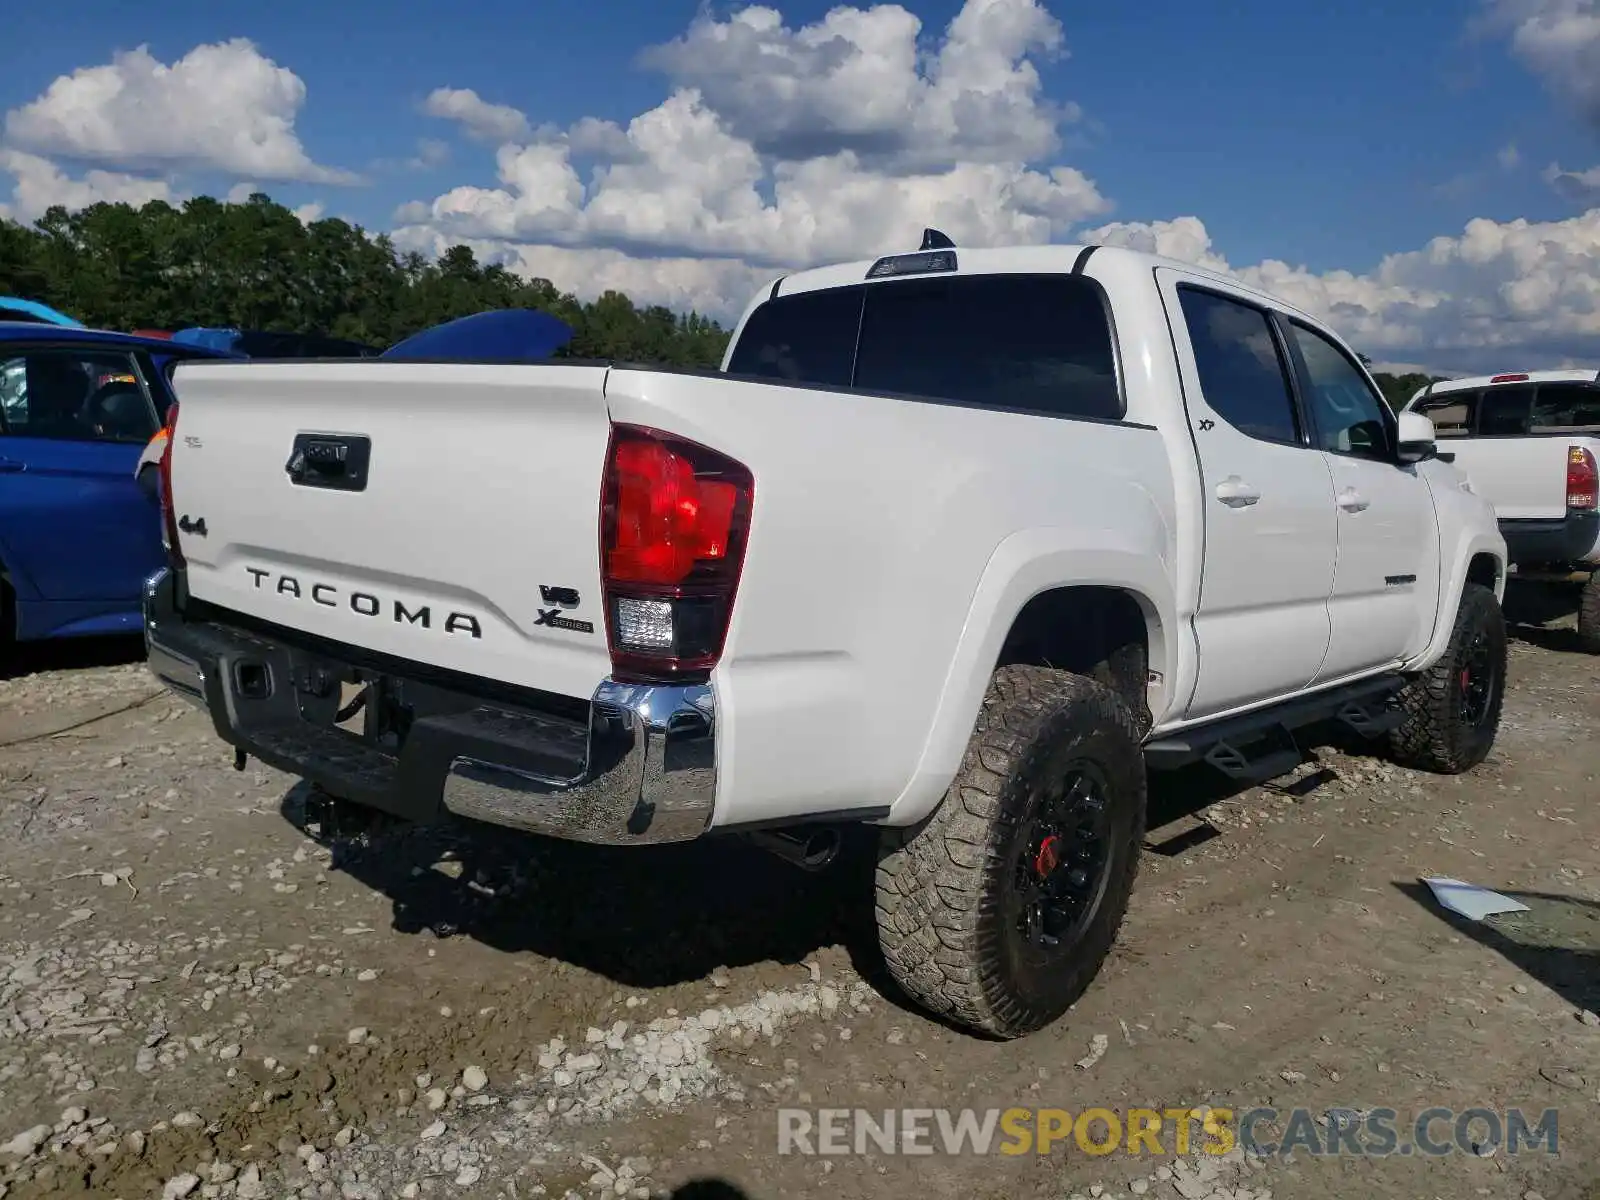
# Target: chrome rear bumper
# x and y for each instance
(637, 765)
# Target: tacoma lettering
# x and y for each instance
(364, 604)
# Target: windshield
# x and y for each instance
(1033, 343)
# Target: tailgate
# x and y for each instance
(1525, 478)
(444, 513)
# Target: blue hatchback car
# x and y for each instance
(78, 535)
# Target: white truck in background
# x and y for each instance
(1530, 443)
(957, 544)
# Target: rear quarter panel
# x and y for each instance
(892, 542)
(1524, 478)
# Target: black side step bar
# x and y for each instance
(1256, 762)
(1251, 747)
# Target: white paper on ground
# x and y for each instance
(1474, 903)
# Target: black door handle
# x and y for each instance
(329, 461)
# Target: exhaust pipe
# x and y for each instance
(810, 849)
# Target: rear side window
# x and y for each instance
(1451, 415)
(1566, 408)
(70, 394)
(1504, 411)
(806, 338)
(1242, 374)
(1040, 343)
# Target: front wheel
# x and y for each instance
(998, 910)
(1452, 710)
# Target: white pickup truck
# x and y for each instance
(956, 543)
(1530, 444)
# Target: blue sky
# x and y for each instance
(1326, 136)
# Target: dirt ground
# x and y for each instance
(200, 995)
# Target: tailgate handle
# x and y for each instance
(329, 460)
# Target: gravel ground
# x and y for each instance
(203, 995)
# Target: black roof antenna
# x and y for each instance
(932, 239)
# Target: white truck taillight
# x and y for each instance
(169, 512)
(1583, 479)
(674, 517)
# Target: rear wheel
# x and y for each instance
(998, 910)
(1452, 710)
(1589, 614)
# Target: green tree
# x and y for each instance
(1398, 389)
(256, 265)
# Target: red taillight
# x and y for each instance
(1509, 379)
(169, 512)
(673, 522)
(1583, 479)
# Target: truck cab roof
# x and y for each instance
(1053, 259)
(1475, 383)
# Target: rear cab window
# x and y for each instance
(1516, 410)
(1566, 408)
(1505, 411)
(1017, 342)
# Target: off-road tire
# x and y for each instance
(1435, 735)
(943, 885)
(1589, 614)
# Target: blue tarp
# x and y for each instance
(500, 335)
(13, 307)
(211, 339)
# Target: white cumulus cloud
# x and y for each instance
(779, 146)
(782, 146)
(1501, 295)
(481, 119)
(857, 80)
(39, 184)
(1559, 41)
(787, 146)
(1581, 187)
(222, 107)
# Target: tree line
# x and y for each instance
(256, 265)
(1398, 389)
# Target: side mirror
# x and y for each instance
(1417, 440)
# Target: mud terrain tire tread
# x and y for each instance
(1431, 738)
(938, 883)
(1589, 615)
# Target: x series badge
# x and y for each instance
(553, 618)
